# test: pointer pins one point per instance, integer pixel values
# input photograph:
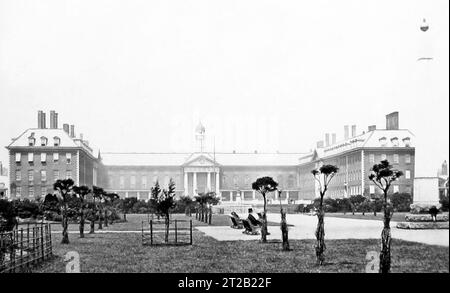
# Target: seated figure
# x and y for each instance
(252, 219)
(236, 221)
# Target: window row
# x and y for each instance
(33, 191)
(44, 141)
(43, 174)
(395, 158)
(143, 183)
(43, 157)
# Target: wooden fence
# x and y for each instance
(179, 232)
(23, 248)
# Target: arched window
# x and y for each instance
(383, 141)
(31, 140)
(394, 141)
(407, 141)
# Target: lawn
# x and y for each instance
(123, 252)
(396, 217)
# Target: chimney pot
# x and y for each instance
(320, 144)
(66, 128)
(392, 121)
(353, 130)
(346, 132)
(333, 138)
(327, 139)
(72, 131)
(372, 128)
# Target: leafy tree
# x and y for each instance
(126, 206)
(81, 192)
(8, 215)
(323, 176)
(65, 190)
(164, 201)
(185, 203)
(383, 175)
(356, 200)
(444, 203)
(110, 198)
(98, 197)
(264, 185)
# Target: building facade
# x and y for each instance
(356, 155)
(40, 156)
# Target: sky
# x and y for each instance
(138, 76)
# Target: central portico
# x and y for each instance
(201, 174)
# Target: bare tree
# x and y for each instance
(323, 176)
(382, 175)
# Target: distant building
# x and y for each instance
(356, 155)
(40, 156)
(443, 180)
(4, 181)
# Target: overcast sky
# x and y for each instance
(266, 75)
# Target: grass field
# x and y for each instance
(123, 252)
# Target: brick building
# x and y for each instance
(40, 156)
(355, 156)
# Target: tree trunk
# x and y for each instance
(264, 222)
(125, 217)
(82, 224)
(100, 220)
(92, 226)
(166, 239)
(65, 225)
(284, 231)
(106, 218)
(320, 236)
(210, 216)
(385, 255)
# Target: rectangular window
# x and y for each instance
(396, 158)
(30, 191)
(43, 192)
(371, 158)
(56, 175)
(144, 182)
(55, 157)
(43, 157)
(18, 157)
(396, 188)
(408, 159)
(43, 175)
(383, 157)
(408, 174)
(30, 157)
(371, 189)
(69, 158)
(18, 191)
(122, 182)
(133, 181)
(30, 175)
(68, 174)
(18, 175)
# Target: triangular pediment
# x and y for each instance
(200, 160)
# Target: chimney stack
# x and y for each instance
(81, 136)
(392, 121)
(320, 144)
(66, 128)
(72, 131)
(333, 138)
(353, 130)
(372, 128)
(41, 120)
(346, 132)
(53, 120)
(327, 139)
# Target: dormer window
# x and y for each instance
(31, 141)
(44, 141)
(394, 141)
(56, 141)
(382, 141)
(407, 141)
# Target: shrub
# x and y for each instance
(8, 215)
(401, 202)
(444, 203)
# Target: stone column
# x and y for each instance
(254, 194)
(208, 182)
(138, 195)
(126, 194)
(287, 196)
(194, 186)
(186, 184)
(231, 196)
(217, 183)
